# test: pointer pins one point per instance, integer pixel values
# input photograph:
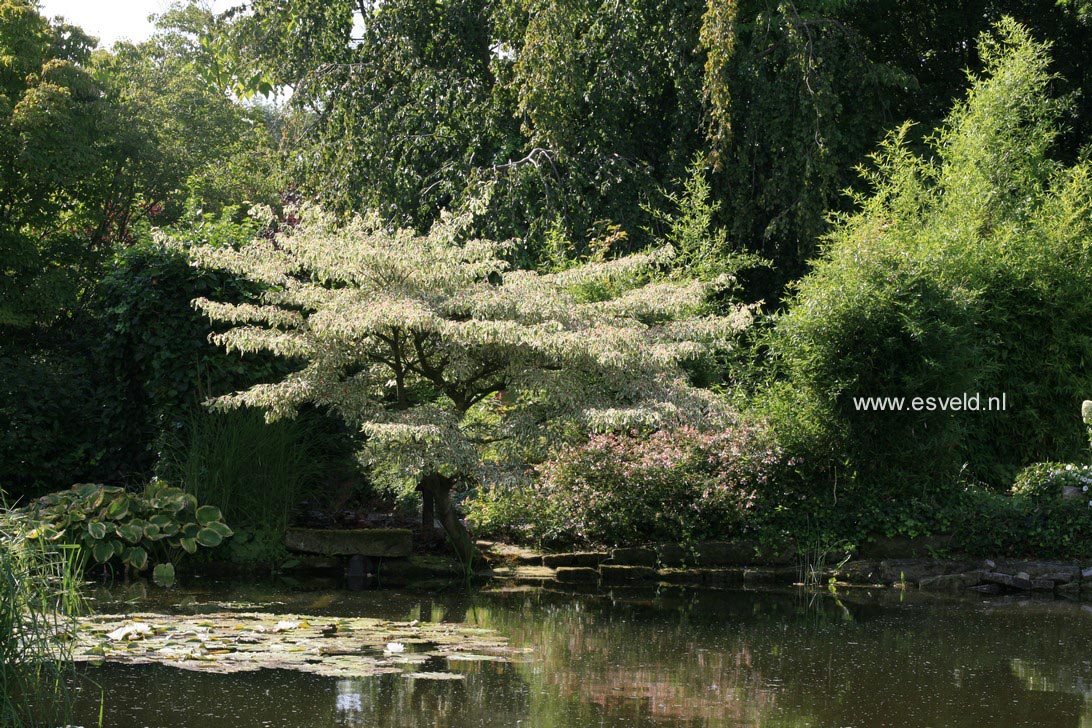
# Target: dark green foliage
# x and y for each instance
(155, 345)
(52, 403)
(986, 524)
(51, 114)
(967, 272)
(580, 112)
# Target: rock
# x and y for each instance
(576, 558)
(1006, 580)
(985, 589)
(1060, 577)
(378, 542)
(860, 572)
(576, 575)
(1043, 585)
(682, 576)
(673, 555)
(614, 574)
(743, 552)
(990, 564)
(770, 575)
(1023, 575)
(951, 583)
(726, 553)
(894, 571)
(633, 557)
(1071, 492)
(1087, 573)
(1036, 569)
(1070, 589)
(731, 576)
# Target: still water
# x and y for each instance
(637, 658)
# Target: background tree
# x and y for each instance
(435, 349)
(51, 114)
(964, 270)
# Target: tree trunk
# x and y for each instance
(439, 487)
(428, 509)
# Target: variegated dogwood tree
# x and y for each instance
(435, 347)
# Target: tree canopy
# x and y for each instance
(435, 347)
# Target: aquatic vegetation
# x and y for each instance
(225, 643)
(136, 529)
(38, 598)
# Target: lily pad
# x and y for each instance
(226, 643)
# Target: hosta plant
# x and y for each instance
(137, 530)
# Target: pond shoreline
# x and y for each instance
(718, 564)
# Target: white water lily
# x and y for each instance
(394, 648)
(133, 631)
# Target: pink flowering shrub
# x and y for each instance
(676, 485)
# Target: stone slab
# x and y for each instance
(575, 558)
(611, 574)
(576, 575)
(375, 542)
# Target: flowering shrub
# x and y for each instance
(676, 485)
(1046, 480)
(1086, 415)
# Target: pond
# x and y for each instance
(638, 658)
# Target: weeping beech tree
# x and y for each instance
(437, 350)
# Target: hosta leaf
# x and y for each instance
(103, 551)
(208, 514)
(119, 508)
(137, 558)
(189, 545)
(131, 532)
(163, 574)
(97, 530)
(221, 528)
(208, 538)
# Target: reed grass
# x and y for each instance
(255, 472)
(39, 603)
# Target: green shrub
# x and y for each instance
(156, 345)
(968, 270)
(52, 404)
(988, 524)
(1046, 480)
(679, 485)
(136, 530)
(517, 512)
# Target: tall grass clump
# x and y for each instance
(39, 602)
(255, 472)
(967, 269)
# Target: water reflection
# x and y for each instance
(655, 659)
